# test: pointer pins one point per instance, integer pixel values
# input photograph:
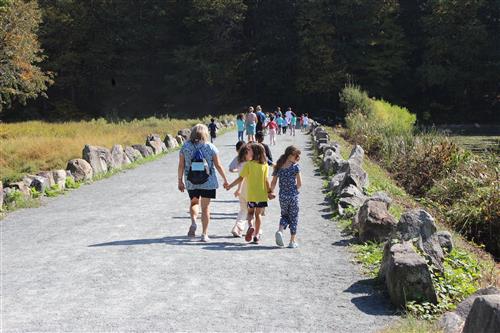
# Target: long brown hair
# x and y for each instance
(259, 154)
(289, 151)
(242, 153)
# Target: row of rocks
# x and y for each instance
(412, 245)
(95, 160)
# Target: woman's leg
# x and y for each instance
(193, 210)
(205, 214)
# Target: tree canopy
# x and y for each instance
(135, 58)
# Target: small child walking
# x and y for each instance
(273, 127)
(212, 127)
(241, 192)
(254, 172)
(288, 172)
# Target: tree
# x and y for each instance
(20, 76)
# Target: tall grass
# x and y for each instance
(28, 147)
(462, 186)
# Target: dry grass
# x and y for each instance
(32, 146)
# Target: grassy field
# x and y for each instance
(33, 146)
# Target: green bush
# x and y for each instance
(355, 100)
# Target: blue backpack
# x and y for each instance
(199, 172)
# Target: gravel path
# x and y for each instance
(113, 256)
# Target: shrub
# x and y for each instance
(355, 100)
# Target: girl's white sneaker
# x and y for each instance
(293, 245)
(279, 238)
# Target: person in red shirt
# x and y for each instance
(272, 126)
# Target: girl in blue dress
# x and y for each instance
(288, 173)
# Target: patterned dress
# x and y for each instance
(289, 197)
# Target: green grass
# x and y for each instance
(369, 255)
(478, 143)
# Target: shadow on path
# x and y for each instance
(213, 245)
(373, 302)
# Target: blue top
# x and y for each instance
(287, 180)
(241, 124)
(209, 151)
(262, 116)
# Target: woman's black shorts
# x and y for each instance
(201, 193)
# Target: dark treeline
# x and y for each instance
(135, 58)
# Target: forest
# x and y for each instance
(125, 59)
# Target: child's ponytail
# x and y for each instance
(290, 150)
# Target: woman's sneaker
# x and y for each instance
(204, 238)
(293, 245)
(279, 238)
(256, 239)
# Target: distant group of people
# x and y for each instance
(272, 123)
(198, 160)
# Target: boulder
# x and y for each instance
(80, 169)
(450, 322)
(355, 175)
(119, 157)
(154, 141)
(132, 154)
(24, 185)
(374, 221)
(318, 129)
(445, 240)
(144, 150)
(484, 315)
(180, 140)
(60, 178)
(49, 175)
(419, 225)
(357, 155)
(170, 142)
(320, 142)
(406, 275)
(336, 183)
(331, 162)
(99, 158)
(350, 196)
(382, 197)
(322, 135)
(463, 309)
(40, 183)
(185, 133)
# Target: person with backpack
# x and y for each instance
(198, 160)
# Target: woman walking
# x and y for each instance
(198, 160)
(251, 124)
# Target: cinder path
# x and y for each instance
(113, 256)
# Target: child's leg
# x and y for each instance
(242, 217)
(293, 212)
(250, 215)
(258, 212)
(285, 219)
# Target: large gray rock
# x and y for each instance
(450, 322)
(185, 133)
(132, 154)
(318, 129)
(170, 142)
(321, 141)
(80, 169)
(331, 162)
(119, 157)
(49, 175)
(40, 183)
(350, 196)
(357, 155)
(144, 150)
(406, 275)
(419, 225)
(374, 221)
(445, 240)
(60, 178)
(180, 140)
(330, 145)
(154, 141)
(382, 197)
(484, 315)
(322, 135)
(336, 183)
(463, 309)
(99, 158)
(355, 174)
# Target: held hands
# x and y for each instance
(226, 186)
(271, 195)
